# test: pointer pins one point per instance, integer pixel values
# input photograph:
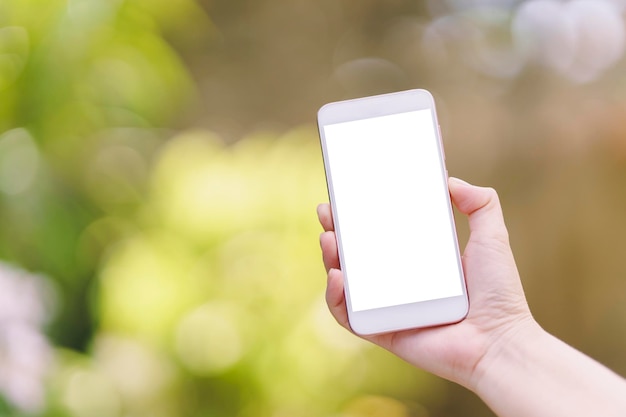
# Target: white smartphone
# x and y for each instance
(387, 182)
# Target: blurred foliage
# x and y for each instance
(87, 88)
(159, 165)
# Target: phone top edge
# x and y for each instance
(375, 106)
(376, 97)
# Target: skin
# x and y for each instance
(499, 351)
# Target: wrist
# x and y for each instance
(528, 372)
(512, 345)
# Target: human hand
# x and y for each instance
(498, 308)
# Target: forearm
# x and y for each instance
(535, 374)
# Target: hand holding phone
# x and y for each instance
(498, 351)
(498, 311)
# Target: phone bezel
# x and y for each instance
(404, 316)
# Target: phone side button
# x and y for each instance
(443, 151)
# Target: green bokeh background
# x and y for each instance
(160, 168)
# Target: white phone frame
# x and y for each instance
(405, 316)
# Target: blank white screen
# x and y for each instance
(391, 207)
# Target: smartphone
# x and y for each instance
(388, 188)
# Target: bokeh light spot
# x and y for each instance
(601, 38)
(370, 75)
(208, 340)
(88, 393)
(19, 161)
(146, 286)
(14, 46)
(139, 373)
(579, 39)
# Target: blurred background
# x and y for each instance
(160, 168)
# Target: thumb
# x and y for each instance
(482, 206)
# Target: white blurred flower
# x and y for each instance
(25, 353)
(579, 39)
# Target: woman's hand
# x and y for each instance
(498, 307)
(498, 351)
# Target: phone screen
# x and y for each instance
(392, 214)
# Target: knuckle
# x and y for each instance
(492, 195)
